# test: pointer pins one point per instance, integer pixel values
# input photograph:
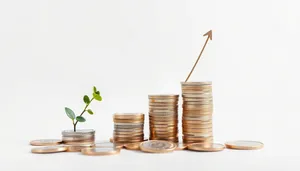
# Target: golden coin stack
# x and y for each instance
(163, 117)
(128, 128)
(80, 137)
(197, 112)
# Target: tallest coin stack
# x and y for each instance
(197, 112)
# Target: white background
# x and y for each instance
(53, 52)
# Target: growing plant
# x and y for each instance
(75, 119)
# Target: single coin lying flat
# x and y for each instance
(244, 145)
(100, 151)
(45, 142)
(157, 146)
(49, 149)
(214, 147)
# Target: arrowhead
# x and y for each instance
(209, 34)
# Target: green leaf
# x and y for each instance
(70, 113)
(90, 111)
(94, 89)
(97, 92)
(97, 97)
(86, 99)
(80, 119)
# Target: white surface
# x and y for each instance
(53, 52)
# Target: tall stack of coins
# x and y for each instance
(197, 112)
(128, 128)
(80, 137)
(163, 117)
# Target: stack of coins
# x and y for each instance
(163, 117)
(197, 112)
(80, 137)
(128, 128)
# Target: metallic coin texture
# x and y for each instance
(157, 146)
(206, 147)
(49, 149)
(45, 142)
(244, 145)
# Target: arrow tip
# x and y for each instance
(209, 34)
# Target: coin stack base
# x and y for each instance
(78, 140)
(197, 112)
(163, 117)
(128, 128)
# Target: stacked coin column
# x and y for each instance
(80, 137)
(163, 117)
(128, 128)
(197, 112)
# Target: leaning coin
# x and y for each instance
(157, 146)
(100, 151)
(206, 148)
(45, 142)
(49, 149)
(244, 145)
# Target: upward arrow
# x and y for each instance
(209, 36)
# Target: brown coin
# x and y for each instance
(198, 130)
(77, 148)
(206, 147)
(164, 107)
(244, 145)
(133, 146)
(157, 146)
(194, 138)
(128, 121)
(163, 100)
(163, 104)
(49, 149)
(162, 110)
(163, 96)
(100, 151)
(128, 115)
(45, 142)
(202, 83)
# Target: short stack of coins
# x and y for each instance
(163, 117)
(128, 128)
(80, 137)
(197, 112)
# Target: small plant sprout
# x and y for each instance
(87, 100)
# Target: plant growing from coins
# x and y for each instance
(87, 100)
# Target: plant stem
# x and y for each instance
(84, 110)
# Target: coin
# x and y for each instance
(78, 132)
(128, 121)
(164, 96)
(132, 146)
(197, 130)
(196, 83)
(77, 148)
(100, 151)
(173, 108)
(163, 100)
(181, 146)
(45, 142)
(244, 145)
(128, 115)
(201, 95)
(205, 147)
(157, 146)
(197, 100)
(195, 138)
(163, 104)
(49, 149)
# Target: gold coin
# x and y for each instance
(193, 89)
(77, 138)
(196, 100)
(132, 146)
(173, 108)
(45, 142)
(157, 146)
(199, 111)
(198, 103)
(128, 121)
(163, 110)
(100, 151)
(181, 146)
(201, 95)
(198, 130)
(49, 149)
(207, 142)
(202, 83)
(79, 132)
(77, 148)
(206, 147)
(203, 121)
(194, 138)
(78, 142)
(163, 100)
(244, 145)
(128, 115)
(194, 114)
(163, 96)
(108, 144)
(174, 114)
(163, 104)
